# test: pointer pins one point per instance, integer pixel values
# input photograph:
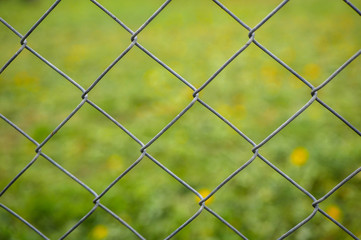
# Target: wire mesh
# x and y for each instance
(196, 98)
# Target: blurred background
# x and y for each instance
(254, 92)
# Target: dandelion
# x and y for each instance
(334, 212)
(204, 193)
(99, 232)
(299, 156)
(312, 71)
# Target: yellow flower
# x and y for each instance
(299, 156)
(204, 193)
(312, 71)
(334, 212)
(99, 232)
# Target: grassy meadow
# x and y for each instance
(255, 93)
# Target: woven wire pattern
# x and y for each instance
(86, 92)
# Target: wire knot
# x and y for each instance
(23, 41)
(314, 92)
(134, 38)
(251, 34)
(84, 95)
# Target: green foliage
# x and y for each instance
(254, 92)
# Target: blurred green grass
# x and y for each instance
(254, 92)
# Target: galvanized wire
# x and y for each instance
(254, 147)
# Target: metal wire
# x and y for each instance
(254, 147)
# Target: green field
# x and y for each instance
(254, 92)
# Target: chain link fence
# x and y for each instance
(145, 155)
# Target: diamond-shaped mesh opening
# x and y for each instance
(249, 207)
(256, 101)
(196, 144)
(83, 50)
(148, 195)
(28, 89)
(316, 162)
(53, 200)
(313, 47)
(203, 37)
(150, 94)
(103, 154)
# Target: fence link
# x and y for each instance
(254, 147)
